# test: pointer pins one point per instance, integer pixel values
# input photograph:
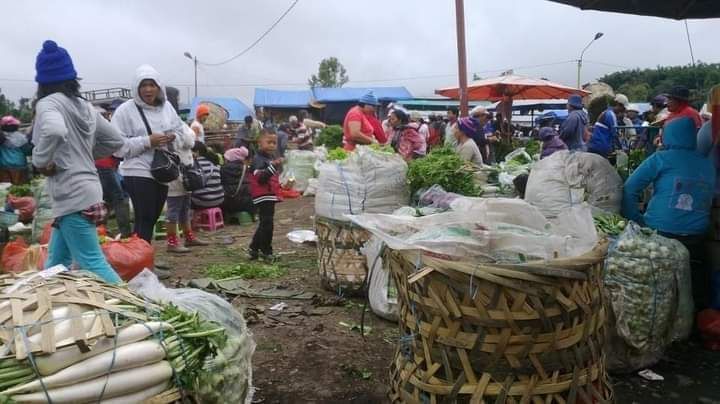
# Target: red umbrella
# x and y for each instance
(514, 87)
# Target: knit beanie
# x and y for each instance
(468, 126)
(236, 154)
(53, 64)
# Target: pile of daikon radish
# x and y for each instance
(154, 348)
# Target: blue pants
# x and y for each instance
(75, 239)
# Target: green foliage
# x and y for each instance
(22, 110)
(331, 73)
(445, 168)
(337, 154)
(244, 270)
(505, 146)
(533, 147)
(331, 137)
(20, 190)
(643, 85)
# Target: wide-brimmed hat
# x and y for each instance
(622, 99)
(679, 93)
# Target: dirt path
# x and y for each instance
(310, 352)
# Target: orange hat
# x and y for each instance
(202, 109)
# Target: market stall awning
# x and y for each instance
(676, 9)
(352, 94)
(265, 97)
(514, 87)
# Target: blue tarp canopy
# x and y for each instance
(265, 97)
(237, 110)
(353, 94)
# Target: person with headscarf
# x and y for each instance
(197, 125)
(14, 149)
(148, 121)
(69, 134)
(235, 179)
(463, 130)
(572, 130)
(406, 140)
(551, 142)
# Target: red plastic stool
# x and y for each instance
(209, 219)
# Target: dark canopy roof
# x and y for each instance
(676, 9)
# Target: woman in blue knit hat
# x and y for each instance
(69, 134)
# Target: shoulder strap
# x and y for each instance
(144, 119)
(242, 178)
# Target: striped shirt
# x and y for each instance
(212, 195)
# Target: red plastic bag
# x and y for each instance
(46, 234)
(708, 322)
(289, 193)
(19, 257)
(25, 204)
(129, 256)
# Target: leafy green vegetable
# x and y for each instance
(20, 190)
(337, 154)
(331, 137)
(610, 224)
(382, 148)
(533, 147)
(445, 168)
(244, 270)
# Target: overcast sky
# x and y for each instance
(380, 42)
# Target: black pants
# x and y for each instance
(700, 272)
(148, 197)
(262, 240)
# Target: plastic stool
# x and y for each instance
(209, 219)
(159, 232)
(242, 218)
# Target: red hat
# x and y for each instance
(202, 110)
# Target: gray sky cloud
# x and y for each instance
(377, 41)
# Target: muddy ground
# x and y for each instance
(312, 351)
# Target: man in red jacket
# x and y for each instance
(679, 106)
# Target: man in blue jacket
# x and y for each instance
(683, 183)
(603, 134)
(572, 129)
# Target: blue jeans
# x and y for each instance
(75, 239)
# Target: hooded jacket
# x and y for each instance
(683, 184)
(551, 142)
(573, 129)
(71, 134)
(138, 153)
(603, 134)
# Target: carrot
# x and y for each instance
(62, 358)
(125, 357)
(116, 385)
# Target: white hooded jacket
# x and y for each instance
(138, 153)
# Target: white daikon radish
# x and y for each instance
(64, 329)
(62, 358)
(116, 384)
(125, 357)
(60, 313)
(140, 396)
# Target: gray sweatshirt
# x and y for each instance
(71, 134)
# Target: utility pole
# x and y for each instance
(597, 36)
(462, 57)
(195, 65)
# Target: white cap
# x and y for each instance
(292, 119)
(622, 100)
(477, 111)
(633, 107)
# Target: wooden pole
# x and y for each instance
(462, 57)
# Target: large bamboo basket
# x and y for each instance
(341, 264)
(490, 333)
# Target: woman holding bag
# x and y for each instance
(149, 123)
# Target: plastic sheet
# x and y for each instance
(365, 182)
(569, 178)
(382, 293)
(232, 365)
(647, 284)
(300, 166)
(490, 230)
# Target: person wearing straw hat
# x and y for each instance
(572, 130)
(679, 106)
(68, 132)
(603, 135)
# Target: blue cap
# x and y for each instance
(369, 99)
(53, 65)
(575, 101)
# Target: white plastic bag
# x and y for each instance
(301, 167)
(382, 294)
(367, 181)
(569, 178)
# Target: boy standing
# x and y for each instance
(265, 191)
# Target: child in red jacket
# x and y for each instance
(265, 191)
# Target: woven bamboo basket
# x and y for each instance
(342, 267)
(531, 333)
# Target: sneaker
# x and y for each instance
(192, 241)
(177, 249)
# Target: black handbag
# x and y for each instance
(193, 177)
(165, 166)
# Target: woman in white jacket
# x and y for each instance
(148, 196)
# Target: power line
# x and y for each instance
(257, 41)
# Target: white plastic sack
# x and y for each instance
(568, 178)
(382, 294)
(365, 182)
(300, 167)
(311, 189)
(490, 230)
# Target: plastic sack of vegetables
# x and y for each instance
(229, 375)
(300, 165)
(18, 257)
(24, 204)
(128, 256)
(569, 178)
(642, 274)
(366, 181)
